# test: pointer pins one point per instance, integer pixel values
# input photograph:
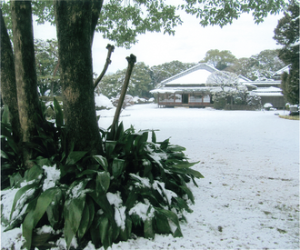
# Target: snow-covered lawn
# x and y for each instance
(249, 198)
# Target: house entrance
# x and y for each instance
(185, 98)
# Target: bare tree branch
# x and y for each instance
(131, 61)
(111, 49)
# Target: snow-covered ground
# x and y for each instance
(249, 198)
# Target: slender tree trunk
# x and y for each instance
(75, 27)
(25, 71)
(8, 81)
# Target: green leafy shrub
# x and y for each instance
(220, 103)
(138, 186)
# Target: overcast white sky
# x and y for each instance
(243, 38)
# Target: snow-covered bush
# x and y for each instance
(139, 100)
(152, 99)
(220, 103)
(253, 99)
(226, 89)
(268, 106)
(134, 186)
(128, 101)
(102, 102)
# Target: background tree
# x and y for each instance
(258, 67)
(287, 34)
(219, 59)
(47, 66)
(139, 85)
(158, 73)
(8, 81)
(228, 89)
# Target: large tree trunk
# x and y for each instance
(75, 26)
(26, 80)
(8, 81)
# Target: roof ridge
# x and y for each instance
(188, 71)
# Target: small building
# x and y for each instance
(270, 94)
(189, 88)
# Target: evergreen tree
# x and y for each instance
(163, 71)
(219, 59)
(258, 67)
(287, 34)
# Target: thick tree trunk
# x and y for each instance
(25, 71)
(8, 81)
(74, 24)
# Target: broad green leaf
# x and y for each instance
(126, 234)
(183, 164)
(176, 148)
(174, 219)
(5, 115)
(85, 221)
(147, 168)
(34, 173)
(91, 207)
(102, 161)
(94, 231)
(59, 117)
(102, 182)
(182, 204)
(3, 155)
(13, 145)
(27, 226)
(103, 227)
(34, 216)
(42, 161)
(195, 173)
(162, 223)
(110, 146)
(117, 167)
(53, 210)
(87, 172)
(164, 144)
(74, 157)
(153, 137)
(101, 200)
(68, 232)
(131, 200)
(73, 211)
(43, 202)
(15, 179)
(6, 131)
(148, 229)
(188, 192)
(20, 193)
(120, 132)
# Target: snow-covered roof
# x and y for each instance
(270, 94)
(181, 89)
(269, 90)
(194, 75)
(266, 83)
(284, 69)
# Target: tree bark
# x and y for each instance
(8, 81)
(74, 24)
(25, 71)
